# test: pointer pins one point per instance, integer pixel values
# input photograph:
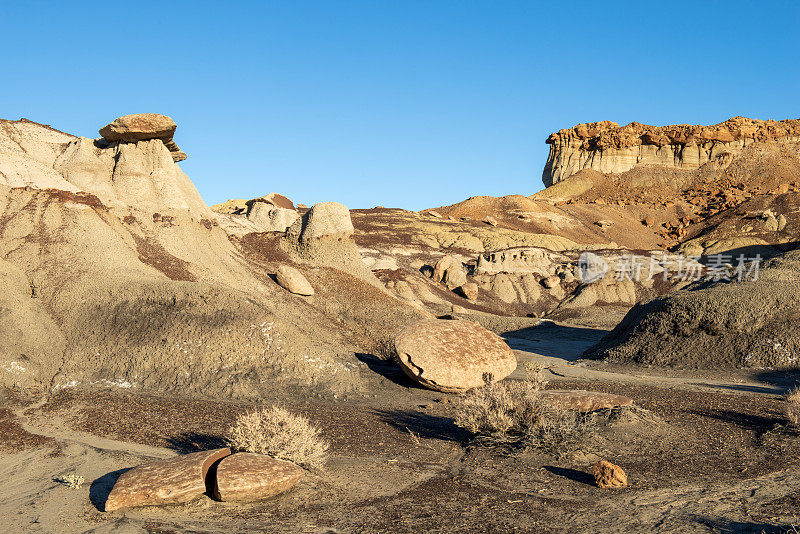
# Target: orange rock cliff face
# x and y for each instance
(610, 148)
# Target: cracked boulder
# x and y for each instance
(452, 356)
(247, 476)
(143, 127)
(175, 480)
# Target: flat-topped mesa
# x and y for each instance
(143, 127)
(610, 148)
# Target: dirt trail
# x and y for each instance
(558, 348)
(53, 426)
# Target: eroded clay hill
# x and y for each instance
(115, 271)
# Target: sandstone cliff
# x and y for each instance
(610, 148)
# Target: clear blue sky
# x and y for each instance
(395, 103)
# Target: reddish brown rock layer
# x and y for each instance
(607, 134)
(613, 149)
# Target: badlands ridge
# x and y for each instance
(655, 282)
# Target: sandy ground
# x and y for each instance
(705, 453)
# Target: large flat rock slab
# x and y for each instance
(247, 476)
(583, 401)
(139, 127)
(175, 480)
(452, 356)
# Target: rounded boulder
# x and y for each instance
(293, 281)
(452, 356)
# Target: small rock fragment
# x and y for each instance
(608, 475)
(293, 281)
(469, 290)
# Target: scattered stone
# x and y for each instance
(433, 213)
(246, 477)
(551, 281)
(604, 223)
(469, 290)
(648, 221)
(293, 281)
(490, 220)
(142, 127)
(452, 356)
(384, 264)
(175, 480)
(608, 475)
(771, 223)
(583, 401)
(448, 270)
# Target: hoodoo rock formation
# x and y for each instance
(143, 127)
(610, 148)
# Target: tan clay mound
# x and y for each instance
(118, 274)
(717, 324)
(538, 215)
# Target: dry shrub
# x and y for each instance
(510, 414)
(281, 434)
(383, 349)
(792, 406)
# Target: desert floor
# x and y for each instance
(706, 452)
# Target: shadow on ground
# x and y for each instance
(424, 425)
(101, 487)
(784, 378)
(388, 370)
(554, 340)
(756, 423)
(571, 474)
(195, 441)
(761, 390)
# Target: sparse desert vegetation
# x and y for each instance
(512, 414)
(277, 432)
(71, 480)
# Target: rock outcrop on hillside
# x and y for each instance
(117, 272)
(610, 148)
(144, 127)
